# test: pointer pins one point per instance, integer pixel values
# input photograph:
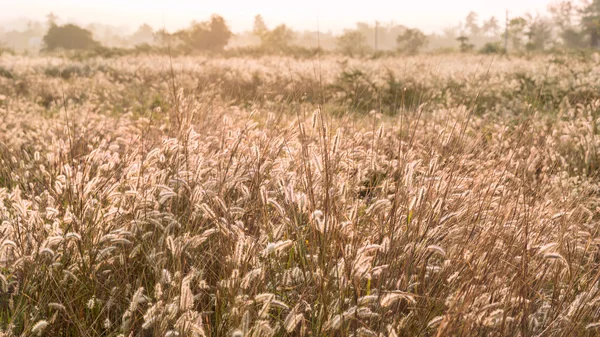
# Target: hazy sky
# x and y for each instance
(332, 14)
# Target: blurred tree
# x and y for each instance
(143, 35)
(312, 39)
(573, 38)
(212, 35)
(465, 46)
(451, 33)
(388, 35)
(539, 33)
(52, 19)
(563, 14)
(219, 33)
(162, 38)
(367, 31)
(107, 35)
(352, 43)
(471, 24)
(260, 27)
(565, 17)
(590, 21)
(278, 39)
(491, 27)
(516, 32)
(35, 28)
(411, 41)
(27, 40)
(382, 35)
(68, 37)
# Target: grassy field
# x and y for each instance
(448, 195)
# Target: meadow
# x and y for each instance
(435, 195)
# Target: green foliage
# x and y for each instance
(69, 37)
(358, 91)
(6, 73)
(590, 22)
(491, 48)
(465, 46)
(541, 94)
(406, 94)
(68, 72)
(411, 41)
(353, 43)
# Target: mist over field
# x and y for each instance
(123, 24)
(427, 15)
(246, 169)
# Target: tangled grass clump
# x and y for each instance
(213, 220)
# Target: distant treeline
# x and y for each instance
(568, 25)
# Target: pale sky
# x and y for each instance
(429, 15)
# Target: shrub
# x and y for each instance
(411, 41)
(353, 43)
(491, 48)
(4, 72)
(68, 37)
(6, 50)
(69, 72)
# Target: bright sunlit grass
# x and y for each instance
(435, 196)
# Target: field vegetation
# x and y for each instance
(438, 195)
